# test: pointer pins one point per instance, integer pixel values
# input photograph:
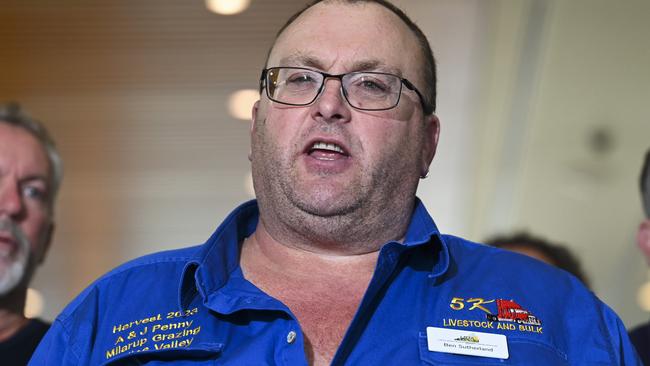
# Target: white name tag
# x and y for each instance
(464, 342)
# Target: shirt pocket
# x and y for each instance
(208, 354)
(522, 352)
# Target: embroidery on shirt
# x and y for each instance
(500, 314)
(166, 330)
(510, 311)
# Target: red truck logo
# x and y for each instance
(510, 311)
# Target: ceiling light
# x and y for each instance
(227, 7)
(240, 103)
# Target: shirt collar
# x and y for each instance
(422, 230)
(219, 256)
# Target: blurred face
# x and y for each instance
(643, 239)
(25, 217)
(328, 159)
(534, 253)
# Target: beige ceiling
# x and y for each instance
(155, 45)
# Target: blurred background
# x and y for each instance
(543, 104)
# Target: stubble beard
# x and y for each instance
(350, 217)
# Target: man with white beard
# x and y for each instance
(30, 173)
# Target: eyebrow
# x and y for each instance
(300, 59)
(29, 179)
(35, 178)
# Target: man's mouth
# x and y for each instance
(323, 150)
(6, 237)
(327, 147)
(7, 245)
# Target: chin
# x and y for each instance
(329, 198)
(327, 206)
(11, 275)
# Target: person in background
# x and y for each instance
(640, 335)
(30, 175)
(338, 262)
(552, 253)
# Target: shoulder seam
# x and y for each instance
(73, 346)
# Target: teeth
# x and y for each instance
(326, 146)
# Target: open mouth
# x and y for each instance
(6, 237)
(7, 245)
(326, 151)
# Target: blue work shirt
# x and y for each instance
(194, 307)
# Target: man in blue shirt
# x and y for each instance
(338, 262)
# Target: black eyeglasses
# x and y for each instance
(364, 90)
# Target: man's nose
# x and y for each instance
(331, 104)
(11, 202)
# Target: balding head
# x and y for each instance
(428, 64)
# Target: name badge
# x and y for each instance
(465, 342)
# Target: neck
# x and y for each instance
(313, 285)
(354, 233)
(12, 317)
(261, 249)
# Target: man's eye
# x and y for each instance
(300, 79)
(35, 193)
(373, 85)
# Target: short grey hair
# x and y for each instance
(12, 114)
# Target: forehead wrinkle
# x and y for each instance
(375, 65)
(308, 60)
(300, 58)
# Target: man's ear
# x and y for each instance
(256, 107)
(643, 238)
(431, 135)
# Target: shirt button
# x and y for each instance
(291, 337)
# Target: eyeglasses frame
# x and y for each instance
(264, 85)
